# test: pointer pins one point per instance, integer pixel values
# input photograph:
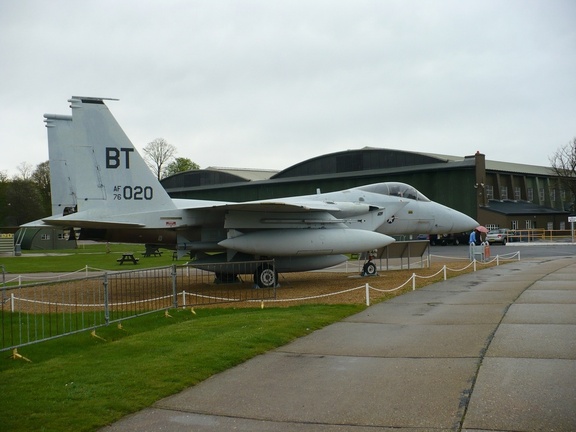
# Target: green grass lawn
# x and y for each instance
(97, 256)
(82, 383)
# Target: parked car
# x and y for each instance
(497, 236)
(446, 239)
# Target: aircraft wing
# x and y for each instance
(76, 220)
(304, 212)
(280, 207)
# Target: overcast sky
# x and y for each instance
(267, 84)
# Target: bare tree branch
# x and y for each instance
(158, 154)
(563, 163)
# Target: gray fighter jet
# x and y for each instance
(101, 185)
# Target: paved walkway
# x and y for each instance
(493, 350)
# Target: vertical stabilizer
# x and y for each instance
(110, 174)
(62, 187)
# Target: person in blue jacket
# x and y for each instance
(475, 238)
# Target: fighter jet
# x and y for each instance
(101, 185)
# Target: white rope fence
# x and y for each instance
(367, 287)
(82, 273)
(13, 299)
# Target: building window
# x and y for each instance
(550, 226)
(45, 237)
(562, 225)
(552, 195)
(530, 194)
(517, 193)
(489, 190)
(563, 195)
(542, 195)
(503, 192)
(514, 224)
(529, 224)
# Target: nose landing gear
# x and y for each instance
(369, 268)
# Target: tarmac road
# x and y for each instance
(493, 350)
(527, 250)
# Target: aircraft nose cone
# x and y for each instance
(462, 222)
(449, 220)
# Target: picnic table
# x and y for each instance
(152, 251)
(128, 256)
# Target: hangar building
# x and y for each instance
(497, 194)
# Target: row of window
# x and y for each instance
(529, 194)
(61, 236)
(528, 225)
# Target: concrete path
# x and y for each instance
(493, 350)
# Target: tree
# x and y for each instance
(158, 154)
(4, 207)
(563, 162)
(26, 197)
(180, 165)
(25, 170)
(41, 176)
(23, 201)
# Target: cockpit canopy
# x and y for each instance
(402, 190)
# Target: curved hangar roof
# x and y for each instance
(366, 158)
(214, 176)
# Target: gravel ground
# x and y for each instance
(325, 287)
(332, 288)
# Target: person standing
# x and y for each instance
(475, 238)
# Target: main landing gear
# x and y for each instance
(265, 276)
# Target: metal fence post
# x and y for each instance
(106, 306)
(174, 286)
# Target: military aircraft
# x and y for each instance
(101, 185)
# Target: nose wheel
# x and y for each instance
(369, 269)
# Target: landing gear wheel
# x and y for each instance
(369, 269)
(265, 276)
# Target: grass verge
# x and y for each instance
(82, 383)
